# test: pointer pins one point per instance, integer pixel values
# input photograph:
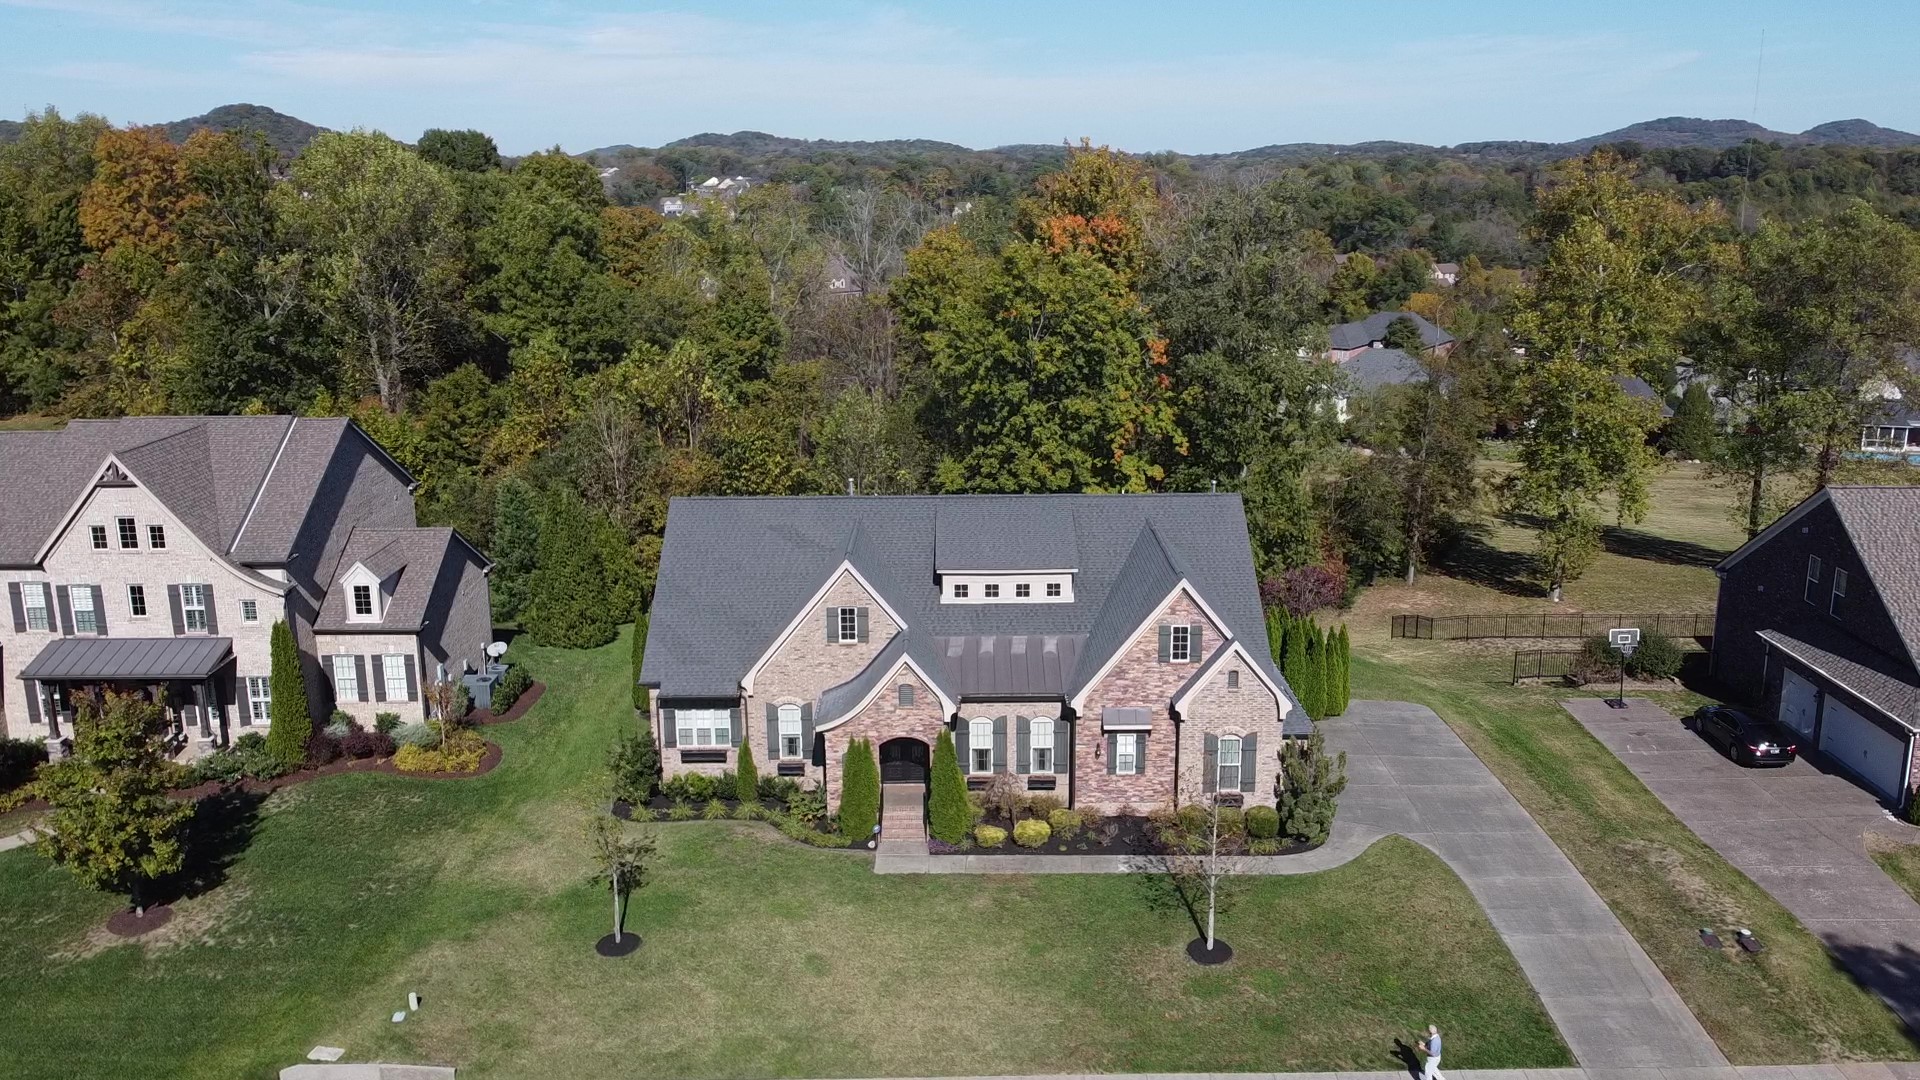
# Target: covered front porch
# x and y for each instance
(191, 677)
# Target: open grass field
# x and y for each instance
(762, 958)
(1788, 1004)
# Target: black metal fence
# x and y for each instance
(1544, 663)
(1545, 625)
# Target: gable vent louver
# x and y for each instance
(114, 476)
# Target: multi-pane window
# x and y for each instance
(1126, 753)
(346, 679)
(1022, 590)
(959, 591)
(1182, 643)
(1053, 588)
(980, 745)
(990, 591)
(789, 731)
(1233, 679)
(363, 601)
(1813, 579)
(849, 624)
(34, 595)
(129, 533)
(157, 537)
(99, 534)
(137, 600)
(704, 727)
(1228, 759)
(1839, 591)
(85, 619)
(259, 699)
(1040, 740)
(193, 608)
(249, 611)
(393, 670)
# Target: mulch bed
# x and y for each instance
(483, 717)
(344, 765)
(1120, 836)
(124, 923)
(660, 805)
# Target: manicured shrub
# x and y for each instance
(634, 765)
(1263, 822)
(779, 788)
(367, 744)
(808, 806)
(235, 763)
(1658, 657)
(1346, 669)
(1031, 832)
(698, 787)
(989, 835)
(386, 723)
(1193, 818)
(567, 599)
(1066, 824)
(1310, 783)
(340, 726)
(416, 734)
(1300, 673)
(322, 748)
(1232, 822)
(948, 814)
(511, 685)
(859, 791)
(746, 781)
(714, 810)
(287, 683)
(639, 652)
(1043, 805)
(680, 811)
(463, 753)
(18, 759)
(251, 740)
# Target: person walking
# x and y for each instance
(1431, 1047)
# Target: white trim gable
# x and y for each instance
(358, 574)
(1079, 699)
(845, 568)
(1212, 669)
(1767, 534)
(947, 704)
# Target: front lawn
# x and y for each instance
(762, 958)
(1900, 861)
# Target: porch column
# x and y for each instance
(200, 706)
(50, 704)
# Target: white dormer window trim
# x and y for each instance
(366, 595)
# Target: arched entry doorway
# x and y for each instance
(903, 761)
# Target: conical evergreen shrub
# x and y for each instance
(1346, 669)
(290, 723)
(746, 777)
(1299, 670)
(947, 809)
(859, 792)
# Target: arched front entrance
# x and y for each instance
(903, 761)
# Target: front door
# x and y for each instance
(903, 761)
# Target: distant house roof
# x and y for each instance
(424, 563)
(1376, 368)
(1373, 328)
(735, 571)
(1637, 387)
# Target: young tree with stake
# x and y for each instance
(622, 863)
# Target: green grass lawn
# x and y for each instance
(1788, 1004)
(762, 958)
(1900, 861)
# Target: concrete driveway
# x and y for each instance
(1798, 832)
(1408, 773)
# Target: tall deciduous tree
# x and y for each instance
(1621, 277)
(461, 151)
(1426, 437)
(379, 228)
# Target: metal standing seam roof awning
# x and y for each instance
(129, 659)
(1126, 718)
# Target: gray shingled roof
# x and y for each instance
(130, 658)
(1873, 680)
(1004, 536)
(417, 556)
(1884, 524)
(1637, 387)
(1376, 368)
(1358, 335)
(735, 571)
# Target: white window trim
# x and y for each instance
(133, 610)
(122, 526)
(260, 699)
(30, 589)
(1180, 644)
(717, 723)
(346, 676)
(975, 728)
(790, 728)
(159, 533)
(97, 537)
(1813, 579)
(1126, 748)
(1220, 765)
(393, 668)
(846, 620)
(80, 598)
(193, 601)
(1033, 745)
(249, 611)
(1839, 592)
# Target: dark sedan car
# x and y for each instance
(1746, 739)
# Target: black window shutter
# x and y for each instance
(667, 729)
(1249, 760)
(1140, 752)
(816, 748)
(33, 700)
(99, 610)
(1023, 745)
(1210, 767)
(64, 602)
(19, 607)
(833, 625)
(1113, 752)
(1063, 752)
(734, 725)
(360, 675)
(1196, 638)
(860, 623)
(413, 680)
(773, 732)
(1166, 642)
(174, 610)
(213, 613)
(999, 744)
(379, 677)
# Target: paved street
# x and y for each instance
(1797, 831)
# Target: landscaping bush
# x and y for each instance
(287, 682)
(693, 787)
(779, 788)
(634, 765)
(807, 806)
(1232, 822)
(1031, 832)
(1043, 805)
(360, 744)
(795, 829)
(18, 759)
(859, 792)
(1658, 657)
(323, 748)
(746, 782)
(680, 811)
(750, 811)
(1066, 824)
(1263, 822)
(251, 762)
(1192, 818)
(714, 810)
(1597, 660)
(340, 726)
(1310, 782)
(511, 685)
(462, 702)
(948, 815)
(463, 753)
(639, 654)
(416, 734)
(989, 835)
(386, 723)
(251, 740)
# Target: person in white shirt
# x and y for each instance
(1431, 1047)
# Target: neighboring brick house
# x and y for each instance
(156, 553)
(1819, 625)
(1110, 649)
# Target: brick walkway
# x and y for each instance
(903, 824)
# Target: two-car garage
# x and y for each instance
(1831, 716)
(1863, 748)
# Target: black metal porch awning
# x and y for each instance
(129, 659)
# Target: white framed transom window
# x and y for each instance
(703, 727)
(1126, 753)
(259, 699)
(346, 679)
(393, 671)
(789, 731)
(1227, 759)
(1182, 644)
(980, 745)
(193, 608)
(1040, 742)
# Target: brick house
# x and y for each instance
(1819, 625)
(156, 553)
(1110, 649)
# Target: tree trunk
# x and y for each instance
(616, 907)
(1756, 496)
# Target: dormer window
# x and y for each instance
(991, 591)
(363, 601)
(1007, 587)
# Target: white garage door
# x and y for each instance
(1797, 702)
(1872, 754)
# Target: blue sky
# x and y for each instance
(1195, 76)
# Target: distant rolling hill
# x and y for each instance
(288, 135)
